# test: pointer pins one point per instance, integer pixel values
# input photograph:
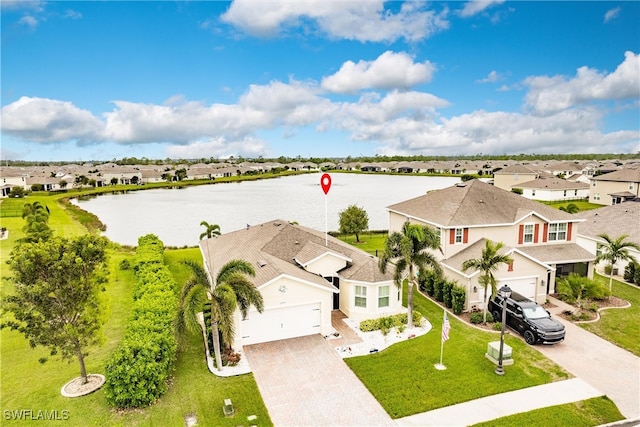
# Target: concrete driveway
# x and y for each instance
(601, 364)
(304, 382)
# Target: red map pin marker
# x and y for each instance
(325, 183)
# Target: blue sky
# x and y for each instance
(190, 79)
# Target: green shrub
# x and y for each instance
(137, 373)
(447, 286)
(476, 317)
(385, 324)
(438, 291)
(497, 326)
(490, 318)
(125, 264)
(630, 272)
(458, 299)
(426, 279)
(517, 190)
(637, 277)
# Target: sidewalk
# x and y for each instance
(504, 404)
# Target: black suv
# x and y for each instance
(529, 319)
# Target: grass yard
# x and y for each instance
(586, 413)
(371, 242)
(405, 382)
(581, 204)
(620, 326)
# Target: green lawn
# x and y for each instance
(621, 326)
(405, 382)
(586, 413)
(581, 204)
(372, 242)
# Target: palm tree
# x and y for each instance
(212, 230)
(489, 262)
(614, 251)
(408, 250)
(570, 208)
(231, 290)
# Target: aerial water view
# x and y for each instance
(319, 213)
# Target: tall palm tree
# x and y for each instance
(231, 290)
(409, 251)
(614, 251)
(212, 230)
(489, 262)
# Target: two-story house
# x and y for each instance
(615, 187)
(540, 239)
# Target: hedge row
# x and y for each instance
(138, 371)
(451, 294)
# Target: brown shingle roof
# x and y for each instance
(553, 184)
(474, 203)
(557, 254)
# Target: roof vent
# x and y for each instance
(461, 184)
(261, 263)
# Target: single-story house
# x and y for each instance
(303, 275)
(553, 189)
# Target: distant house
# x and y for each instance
(553, 189)
(540, 239)
(12, 177)
(614, 221)
(512, 176)
(302, 280)
(615, 187)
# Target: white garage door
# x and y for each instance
(525, 287)
(281, 323)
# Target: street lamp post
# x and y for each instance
(505, 292)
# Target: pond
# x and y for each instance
(174, 215)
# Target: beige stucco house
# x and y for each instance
(514, 175)
(540, 239)
(303, 275)
(615, 187)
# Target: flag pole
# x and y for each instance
(445, 336)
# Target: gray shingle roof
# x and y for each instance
(558, 254)
(553, 184)
(272, 248)
(629, 174)
(614, 220)
(474, 203)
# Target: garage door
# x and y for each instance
(525, 287)
(281, 323)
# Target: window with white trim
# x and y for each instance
(528, 233)
(361, 296)
(596, 196)
(557, 231)
(383, 296)
(459, 235)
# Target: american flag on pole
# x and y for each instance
(445, 328)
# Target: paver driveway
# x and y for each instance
(304, 382)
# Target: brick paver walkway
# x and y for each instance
(304, 382)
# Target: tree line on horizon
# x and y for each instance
(128, 161)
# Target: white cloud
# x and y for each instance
(389, 71)
(28, 21)
(36, 5)
(46, 120)
(551, 94)
(219, 148)
(474, 7)
(353, 20)
(72, 14)
(491, 78)
(611, 14)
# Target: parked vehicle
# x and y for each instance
(529, 319)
